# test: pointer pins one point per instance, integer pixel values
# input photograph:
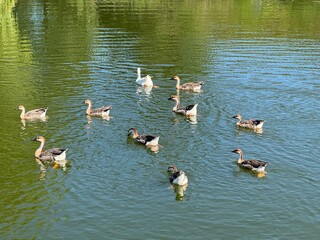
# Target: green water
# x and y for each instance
(260, 59)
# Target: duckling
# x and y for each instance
(98, 112)
(144, 81)
(251, 124)
(177, 177)
(189, 111)
(148, 140)
(254, 165)
(32, 114)
(53, 155)
(194, 86)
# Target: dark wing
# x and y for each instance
(40, 110)
(145, 138)
(257, 122)
(53, 152)
(188, 108)
(101, 110)
(254, 163)
(173, 176)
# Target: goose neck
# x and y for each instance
(39, 150)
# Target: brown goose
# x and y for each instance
(53, 155)
(177, 177)
(32, 114)
(190, 110)
(251, 124)
(148, 140)
(254, 165)
(98, 112)
(194, 86)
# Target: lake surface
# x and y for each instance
(260, 59)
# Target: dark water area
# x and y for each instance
(260, 59)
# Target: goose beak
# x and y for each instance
(34, 139)
(234, 151)
(170, 98)
(234, 117)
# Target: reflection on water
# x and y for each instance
(144, 90)
(179, 191)
(33, 121)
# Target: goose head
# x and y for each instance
(172, 169)
(237, 117)
(21, 107)
(174, 97)
(38, 139)
(133, 132)
(175, 78)
(238, 150)
(87, 101)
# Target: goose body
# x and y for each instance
(250, 124)
(53, 155)
(143, 81)
(98, 112)
(177, 177)
(254, 165)
(32, 114)
(194, 86)
(190, 110)
(145, 139)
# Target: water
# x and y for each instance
(260, 59)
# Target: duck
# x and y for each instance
(177, 177)
(145, 139)
(98, 112)
(251, 124)
(32, 114)
(188, 111)
(194, 86)
(254, 165)
(144, 81)
(56, 156)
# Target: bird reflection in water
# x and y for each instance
(89, 119)
(144, 90)
(24, 121)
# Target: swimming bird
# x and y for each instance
(194, 86)
(251, 124)
(98, 112)
(148, 140)
(144, 81)
(177, 177)
(53, 155)
(190, 110)
(254, 165)
(32, 114)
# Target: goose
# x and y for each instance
(189, 111)
(148, 140)
(98, 112)
(254, 165)
(32, 114)
(144, 81)
(177, 177)
(195, 86)
(251, 124)
(53, 155)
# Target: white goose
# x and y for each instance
(144, 81)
